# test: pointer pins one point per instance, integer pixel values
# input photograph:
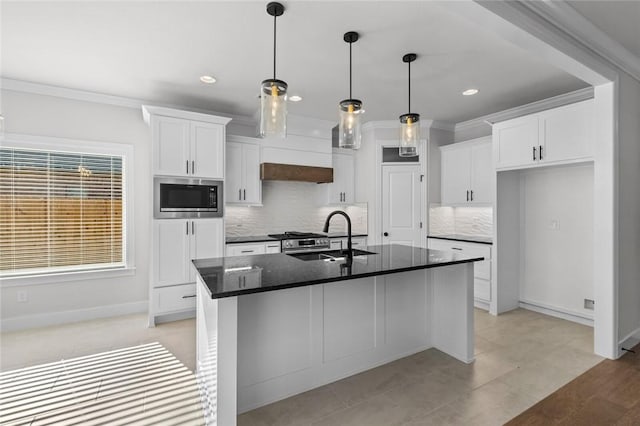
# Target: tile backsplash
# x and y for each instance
(472, 221)
(291, 206)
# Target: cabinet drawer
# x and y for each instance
(245, 249)
(481, 269)
(482, 289)
(272, 247)
(175, 298)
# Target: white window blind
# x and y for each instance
(60, 212)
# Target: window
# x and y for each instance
(61, 211)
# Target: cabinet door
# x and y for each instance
(206, 241)
(207, 150)
(456, 175)
(481, 172)
(341, 191)
(252, 189)
(272, 247)
(567, 132)
(514, 142)
(233, 181)
(336, 244)
(170, 140)
(172, 252)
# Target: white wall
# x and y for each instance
(277, 215)
(629, 208)
(556, 255)
(57, 117)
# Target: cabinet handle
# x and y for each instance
(189, 296)
(187, 166)
(456, 248)
(246, 251)
(386, 234)
(541, 152)
(534, 153)
(240, 194)
(467, 195)
(244, 192)
(187, 227)
(193, 167)
(471, 195)
(193, 231)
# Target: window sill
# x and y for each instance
(66, 277)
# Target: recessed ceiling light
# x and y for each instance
(207, 79)
(470, 92)
(295, 98)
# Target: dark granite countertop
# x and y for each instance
(465, 238)
(250, 239)
(239, 275)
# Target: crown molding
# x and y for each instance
(565, 17)
(394, 124)
(101, 98)
(531, 108)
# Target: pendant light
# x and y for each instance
(350, 109)
(409, 122)
(273, 92)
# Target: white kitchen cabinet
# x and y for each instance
(481, 270)
(248, 249)
(186, 143)
(466, 173)
(243, 185)
(556, 136)
(342, 190)
(335, 243)
(341, 243)
(179, 241)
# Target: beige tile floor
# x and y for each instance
(521, 357)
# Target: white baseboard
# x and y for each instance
(481, 304)
(556, 312)
(65, 317)
(629, 341)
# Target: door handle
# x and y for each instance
(541, 152)
(471, 195)
(534, 153)
(240, 194)
(386, 234)
(467, 195)
(244, 192)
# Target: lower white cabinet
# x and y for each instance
(482, 270)
(341, 243)
(248, 249)
(176, 242)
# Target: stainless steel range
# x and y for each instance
(302, 242)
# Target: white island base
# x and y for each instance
(258, 348)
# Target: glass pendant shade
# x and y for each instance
(409, 135)
(273, 108)
(350, 126)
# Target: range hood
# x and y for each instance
(292, 172)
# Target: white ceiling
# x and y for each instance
(620, 20)
(156, 51)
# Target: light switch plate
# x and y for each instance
(589, 304)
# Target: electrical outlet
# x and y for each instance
(22, 296)
(589, 304)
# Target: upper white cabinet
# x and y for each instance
(466, 172)
(555, 136)
(186, 143)
(341, 191)
(243, 185)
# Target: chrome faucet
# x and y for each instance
(346, 216)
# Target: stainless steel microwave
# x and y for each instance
(175, 198)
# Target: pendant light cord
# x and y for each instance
(274, 46)
(409, 87)
(350, 66)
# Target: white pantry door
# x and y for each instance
(401, 200)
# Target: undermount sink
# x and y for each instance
(329, 255)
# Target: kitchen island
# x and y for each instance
(271, 326)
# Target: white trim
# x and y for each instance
(531, 108)
(481, 304)
(629, 341)
(564, 16)
(149, 110)
(66, 276)
(395, 124)
(101, 98)
(557, 312)
(65, 317)
(125, 150)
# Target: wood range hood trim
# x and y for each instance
(292, 172)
